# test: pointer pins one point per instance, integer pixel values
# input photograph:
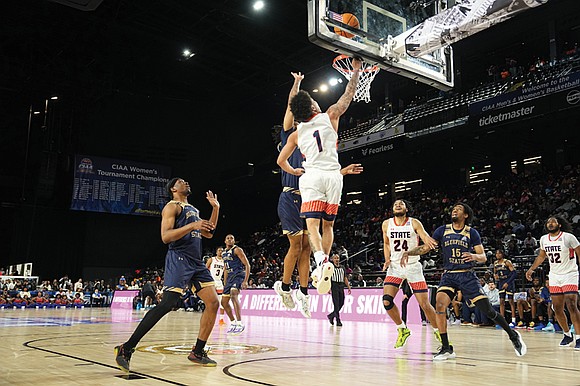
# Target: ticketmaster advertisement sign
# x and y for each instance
(363, 304)
(526, 93)
(562, 100)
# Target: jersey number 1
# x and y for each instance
(316, 135)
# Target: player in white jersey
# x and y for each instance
(401, 234)
(216, 267)
(321, 181)
(562, 249)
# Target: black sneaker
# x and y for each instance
(519, 345)
(566, 340)
(123, 357)
(338, 323)
(201, 359)
(330, 319)
(444, 354)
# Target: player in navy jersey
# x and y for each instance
(182, 228)
(461, 248)
(235, 279)
(505, 274)
(293, 226)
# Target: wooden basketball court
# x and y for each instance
(75, 347)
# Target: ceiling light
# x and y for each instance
(258, 5)
(323, 88)
(333, 81)
(315, 90)
(187, 54)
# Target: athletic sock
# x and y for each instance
(514, 320)
(444, 340)
(199, 346)
(402, 325)
(285, 287)
(304, 290)
(319, 257)
(568, 334)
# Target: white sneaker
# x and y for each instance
(232, 328)
(303, 303)
(240, 327)
(326, 270)
(314, 276)
(285, 296)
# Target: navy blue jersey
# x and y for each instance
(501, 270)
(295, 160)
(453, 243)
(233, 262)
(190, 244)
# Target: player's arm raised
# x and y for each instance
(212, 199)
(336, 110)
(286, 152)
(288, 116)
(168, 216)
(242, 256)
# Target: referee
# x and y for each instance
(338, 281)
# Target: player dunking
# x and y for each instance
(321, 184)
(458, 242)
(562, 249)
(235, 279)
(293, 226)
(182, 229)
(216, 267)
(401, 234)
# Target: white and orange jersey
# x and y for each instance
(402, 237)
(560, 252)
(216, 268)
(317, 141)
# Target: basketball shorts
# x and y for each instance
(563, 283)
(183, 271)
(234, 280)
(321, 193)
(289, 205)
(507, 293)
(467, 282)
(412, 272)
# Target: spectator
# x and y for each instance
(78, 287)
(122, 284)
(97, 298)
(530, 244)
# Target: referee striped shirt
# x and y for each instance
(338, 275)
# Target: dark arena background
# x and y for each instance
(143, 91)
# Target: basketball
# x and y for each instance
(348, 19)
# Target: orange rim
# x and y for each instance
(349, 70)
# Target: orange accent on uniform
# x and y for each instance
(559, 235)
(393, 280)
(570, 288)
(404, 222)
(555, 290)
(313, 206)
(419, 286)
(331, 209)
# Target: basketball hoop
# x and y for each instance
(343, 64)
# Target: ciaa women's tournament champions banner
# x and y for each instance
(119, 186)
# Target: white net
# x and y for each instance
(343, 64)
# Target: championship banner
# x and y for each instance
(119, 186)
(363, 305)
(540, 106)
(526, 93)
(123, 300)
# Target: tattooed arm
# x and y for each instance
(339, 108)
